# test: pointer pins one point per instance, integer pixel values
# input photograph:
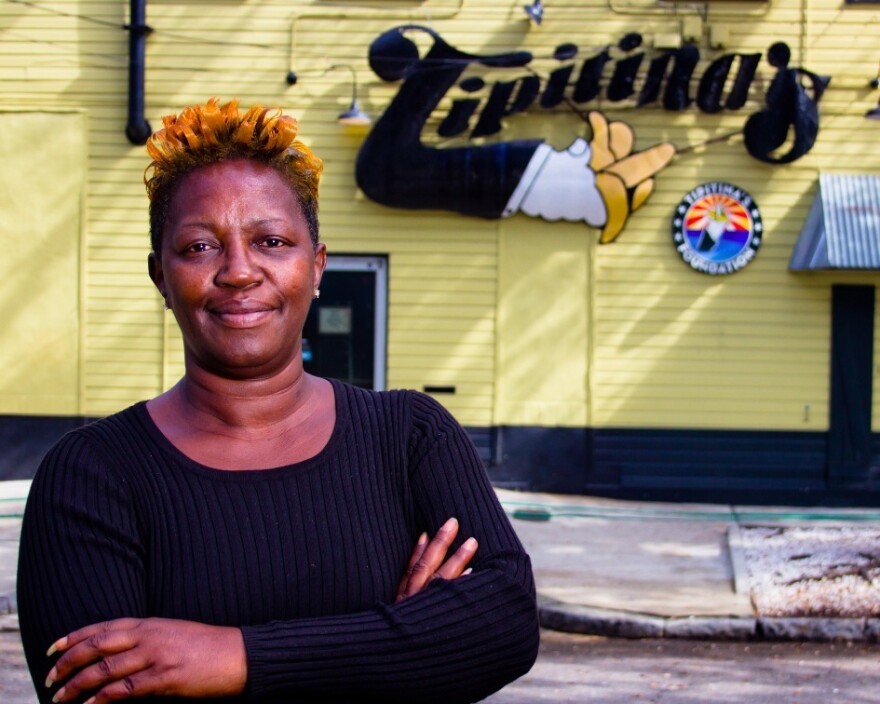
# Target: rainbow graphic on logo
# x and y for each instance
(717, 228)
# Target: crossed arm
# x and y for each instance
(131, 657)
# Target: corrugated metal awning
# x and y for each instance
(843, 228)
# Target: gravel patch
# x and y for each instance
(813, 571)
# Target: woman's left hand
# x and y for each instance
(129, 657)
(429, 560)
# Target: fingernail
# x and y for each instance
(423, 538)
(467, 571)
(58, 695)
(470, 544)
(450, 523)
(50, 680)
(90, 700)
(55, 646)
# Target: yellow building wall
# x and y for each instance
(533, 322)
(543, 325)
(41, 203)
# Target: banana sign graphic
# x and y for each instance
(600, 182)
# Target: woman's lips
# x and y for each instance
(242, 315)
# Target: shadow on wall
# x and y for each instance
(747, 350)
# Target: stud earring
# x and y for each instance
(317, 294)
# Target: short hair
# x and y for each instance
(210, 133)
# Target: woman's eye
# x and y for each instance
(197, 247)
(273, 242)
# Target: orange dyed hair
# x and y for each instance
(206, 134)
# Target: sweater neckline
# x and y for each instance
(181, 458)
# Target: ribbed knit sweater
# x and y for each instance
(305, 558)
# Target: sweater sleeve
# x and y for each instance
(455, 641)
(80, 559)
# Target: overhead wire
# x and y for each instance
(183, 37)
(173, 35)
(119, 61)
(425, 64)
(62, 13)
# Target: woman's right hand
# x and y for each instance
(130, 658)
(428, 560)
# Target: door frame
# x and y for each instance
(377, 264)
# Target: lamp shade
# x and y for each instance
(354, 115)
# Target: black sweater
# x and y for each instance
(304, 558)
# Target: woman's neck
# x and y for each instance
(247, 404)
(247, 424)
(215, 404)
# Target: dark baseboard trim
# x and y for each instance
(540, 459)
(715, 466)
(25, 439)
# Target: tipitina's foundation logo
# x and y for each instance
(717, 228)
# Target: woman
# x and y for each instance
(256, 534)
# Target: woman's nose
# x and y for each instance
(238, 268)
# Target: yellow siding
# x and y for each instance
(543, 321)
(654, 344)
(40, 219)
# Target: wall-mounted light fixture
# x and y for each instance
(354, 116)
(874, 113)
(535, 11)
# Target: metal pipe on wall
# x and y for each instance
(137, 129)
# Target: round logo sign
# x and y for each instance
(717, 228)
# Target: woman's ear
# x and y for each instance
(320, 262)
(154, 267)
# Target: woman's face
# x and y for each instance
(238, 268)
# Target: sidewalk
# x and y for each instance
(648, 570)
(12, 499)
(613, 568)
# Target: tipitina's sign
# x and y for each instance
(717, 228)
(600, 182)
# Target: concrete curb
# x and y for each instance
(737, 560)
(614, 623)
(594, 621)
